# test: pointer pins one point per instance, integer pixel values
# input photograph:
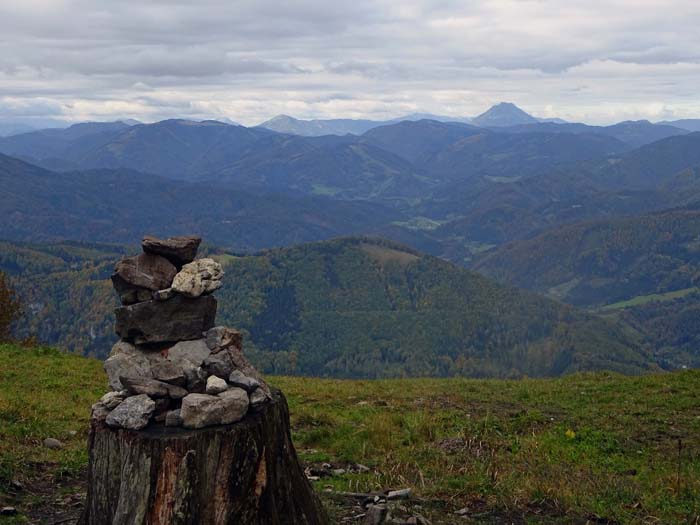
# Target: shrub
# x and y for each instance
(10, 308)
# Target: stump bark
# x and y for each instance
(244, 473)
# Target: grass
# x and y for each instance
(585, 447)
(643, 299)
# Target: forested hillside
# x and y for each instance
(345, 308)
(643, 269)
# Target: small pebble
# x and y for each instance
(399, 494)
(53, 444)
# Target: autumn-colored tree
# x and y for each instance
(10, 308)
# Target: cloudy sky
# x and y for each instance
(595, 60)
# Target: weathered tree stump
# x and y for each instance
(244, 473)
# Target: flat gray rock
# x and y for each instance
(197, 380)
(258, 398)
(194, 351)
(112, 399)
(240, 380)
(145, 271)
(126, 360)
(168, 372)
(177, 319)
(99, 412)
(218, 364)
(152, 387)
(199, 277)
(133, 413)
(204, 410)
(221, 337)
(216, 385)
(178, 250)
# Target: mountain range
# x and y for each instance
(569, 211)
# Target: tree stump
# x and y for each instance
(244, 473)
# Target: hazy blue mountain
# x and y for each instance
(513, 156)
(119, 205)
(689, 124)
(661, 175)
(633, 133)
(342, 167)
(453, 151)
(179, 149)
(253, 158)
(318, 127)
(415, 140)
(651, 166)
(15, 126)
(60, 146)
(430, 116)
(503, 114)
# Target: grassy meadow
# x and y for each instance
(598, 447)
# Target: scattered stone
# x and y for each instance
(112, 399)
(258, 398)
(218, 364)
(338, 471)
(239, 379)
(53, 444)
(399, 494)
(72, 433)
(8, 511)
(168, 372)
(125, 360)
(152, 387)
(362, 468)
(177, 319)
(203, 410)
(178, 250)
(145, 271)
(173, 418)
(462, 512)
(199, 277)
(221, 337)
(216, 385)
(133, 413)
(163, 295)
(375, 515)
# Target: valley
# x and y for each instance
(599, 218)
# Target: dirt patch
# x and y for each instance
(42, 499)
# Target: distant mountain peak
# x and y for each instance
(504, 114)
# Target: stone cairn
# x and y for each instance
(172, 365)
(189, 434)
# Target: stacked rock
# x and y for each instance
(172, 365)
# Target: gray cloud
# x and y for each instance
(247, 60)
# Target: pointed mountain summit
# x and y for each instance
(504, 114)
